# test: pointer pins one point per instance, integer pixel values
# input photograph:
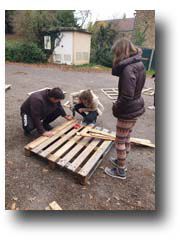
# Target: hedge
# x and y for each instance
(24, 52)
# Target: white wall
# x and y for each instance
(63, 52)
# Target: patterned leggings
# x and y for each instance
(122, 142)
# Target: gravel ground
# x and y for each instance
(32, 185)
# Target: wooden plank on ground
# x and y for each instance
(7, 86)
(67, 104)
(54, 206)
(39, 90)
(141, 141)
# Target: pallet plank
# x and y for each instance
(53, 138)
(54, 157)
(92, 146)
(77, 162)
(58, 143)
(41, 139)
(94, 158)
(63, 161)
(96, 165)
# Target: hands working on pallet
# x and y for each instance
(43, 107)
(40, 109)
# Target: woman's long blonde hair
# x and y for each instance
(123, 49)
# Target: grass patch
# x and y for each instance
(150, 72)
(92, 66)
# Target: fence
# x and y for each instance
(149, 58)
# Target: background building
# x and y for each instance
(145, 24)
(124, 27)
(69, 46)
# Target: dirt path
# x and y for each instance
(32, 185)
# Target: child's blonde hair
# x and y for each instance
(87, 97)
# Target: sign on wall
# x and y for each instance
(47, 42)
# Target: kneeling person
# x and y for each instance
(88, 106)
(41, 108)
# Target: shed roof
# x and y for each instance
(66, 29)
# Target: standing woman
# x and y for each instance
(129, 106)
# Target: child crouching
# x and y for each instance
(87, 105)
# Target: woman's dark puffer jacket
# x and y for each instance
(132, 77)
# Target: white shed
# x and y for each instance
(71, 46)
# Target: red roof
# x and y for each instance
(125, 24)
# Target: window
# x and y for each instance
(82, 56)
(57, 57)
(47, 42)
(85, 55)
(78, 56)
(67, 57)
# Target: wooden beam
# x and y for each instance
(41, 90)
(54, 206)
(139, 141)
(7, 86)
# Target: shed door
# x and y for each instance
(63, 51)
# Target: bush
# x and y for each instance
(103, 57)
(102, 41)
(24, 52)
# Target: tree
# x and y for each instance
(140, 36)
(102, 41)
(82, 17)
(31, 24)
(9, 14)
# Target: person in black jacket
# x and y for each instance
(128, 66)
(41, 108)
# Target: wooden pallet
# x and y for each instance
(75, 153)
(111, 93)
(148, 91)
